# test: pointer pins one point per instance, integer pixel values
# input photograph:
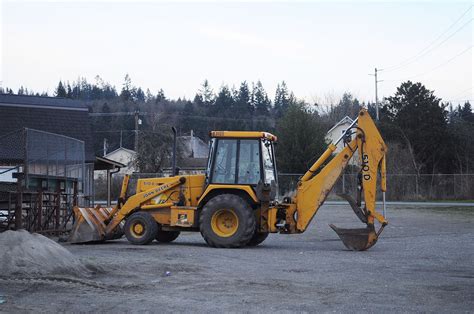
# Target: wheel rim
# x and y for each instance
(137, 229)
(224, 223)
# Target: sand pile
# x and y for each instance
(23, 254)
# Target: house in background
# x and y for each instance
(336, 131)
(124, 156)
(194, 152)
(193, 146)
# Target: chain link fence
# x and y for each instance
(400, 187)
(42, 175)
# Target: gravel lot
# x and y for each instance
(424, 262)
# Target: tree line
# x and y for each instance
(425, 135)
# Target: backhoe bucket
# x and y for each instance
(90, 224)
(358, 239)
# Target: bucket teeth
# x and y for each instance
(358, 239)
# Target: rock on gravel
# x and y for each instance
(24, 254)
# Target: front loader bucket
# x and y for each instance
(90, 224)
(358, 239)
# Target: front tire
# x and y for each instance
(227, 221)
(140, 228)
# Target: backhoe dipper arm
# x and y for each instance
(315, 186)
(372, 151)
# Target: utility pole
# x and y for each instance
(136, 113)
(105, 146)
(376, 95)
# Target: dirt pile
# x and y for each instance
(23, 254)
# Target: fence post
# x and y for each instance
(454, 187)
(19, 204)
(25, 156)
(39, 213)
(416, 186)
(57, 205)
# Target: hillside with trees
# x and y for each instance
(424, 134)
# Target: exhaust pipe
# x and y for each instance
(173, 167)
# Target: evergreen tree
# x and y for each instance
(60, 90)
(126, 93)
(206, 93)
(293, 131)
(242, 100)
(347, 106)
(224, 100)
(160, 96)
(198, 100)
(283, 99)
(149, 95)
(461, 128)
(69, 91)
(465, 112)
(140, 95)
(420, 122)
(260, 99)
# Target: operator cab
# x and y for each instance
(244, 158)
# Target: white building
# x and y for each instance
(121, 155)
(193, 146)
(337, 130)
(124, 156)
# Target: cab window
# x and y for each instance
(225, 162)
(249, 162)
(268, 162)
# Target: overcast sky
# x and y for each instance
(321, 49)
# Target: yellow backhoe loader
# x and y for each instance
(233, 204)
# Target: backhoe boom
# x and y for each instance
(315, 185)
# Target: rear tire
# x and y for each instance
(166, 236)
(227, 221)
(140, 228)
(257, 238)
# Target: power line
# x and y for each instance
(444, 63)
(429, 48)
(106, 114)
(459, 100)
(437, 67)
(112, 114)
(463, 92)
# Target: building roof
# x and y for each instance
(193, 146)
(102, 163)
(55, 115)
(123, 149)
(41, 101)
(345, 120)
